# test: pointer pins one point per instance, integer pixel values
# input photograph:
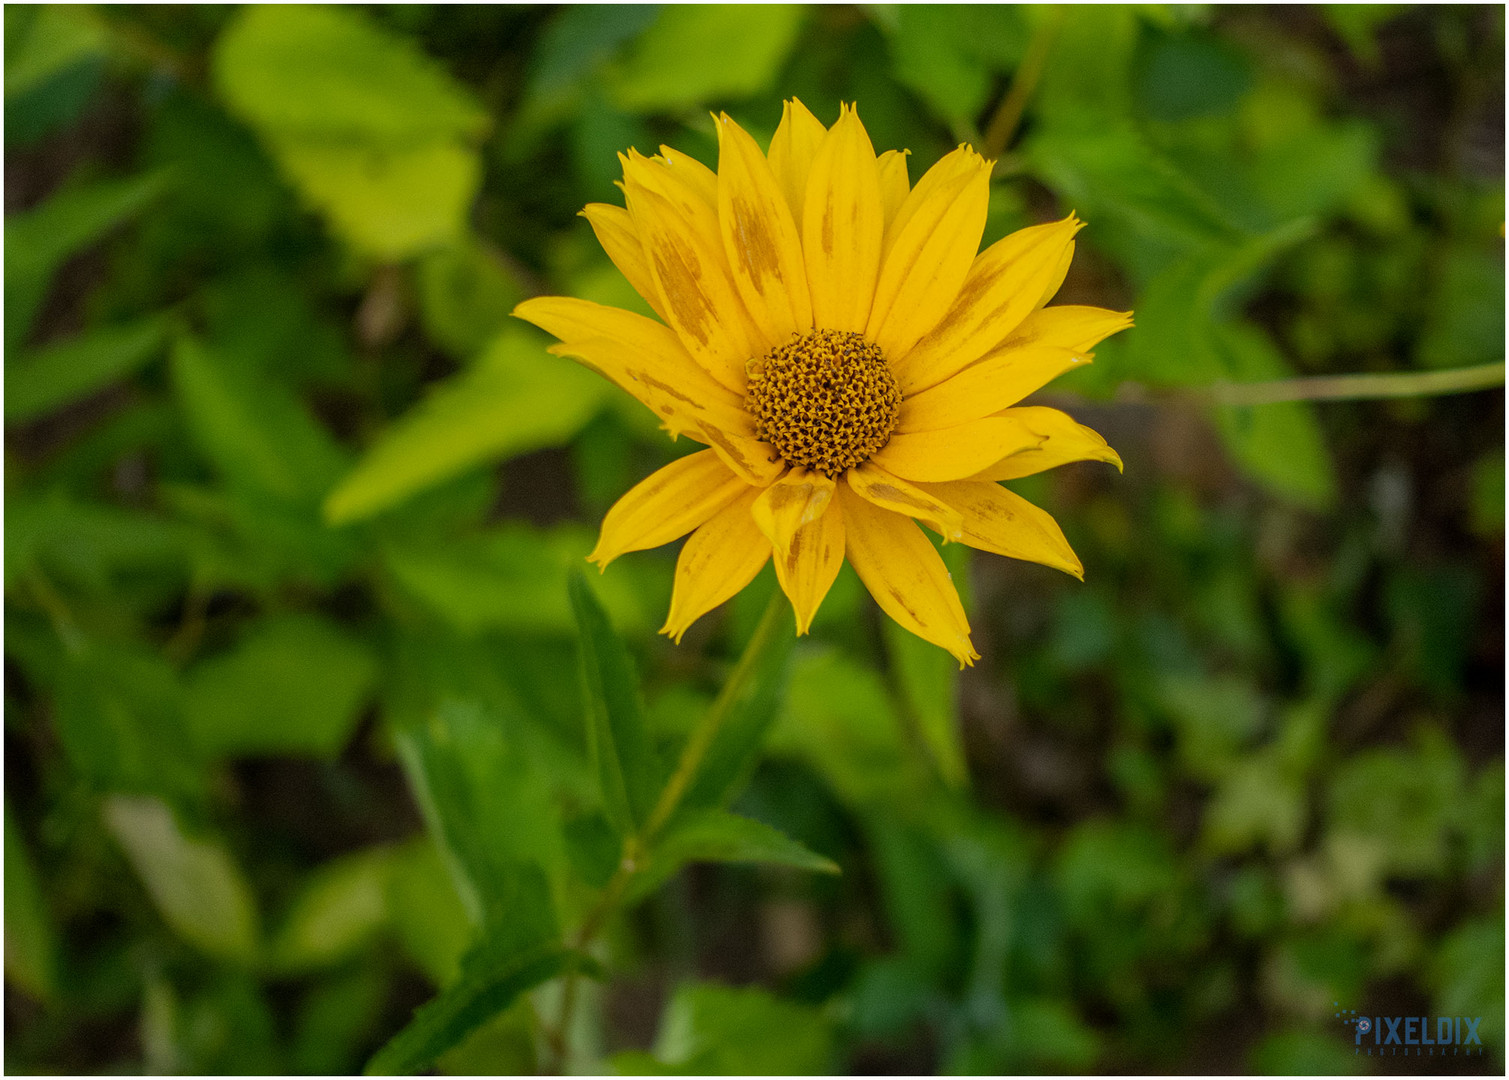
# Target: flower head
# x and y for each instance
(852, 365)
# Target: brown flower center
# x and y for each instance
(825, 400)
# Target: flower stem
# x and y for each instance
(1008, 114)
(637, 847)
(701, 739)
(1360, 387)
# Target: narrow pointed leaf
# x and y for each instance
(616, 732)
(493, 975)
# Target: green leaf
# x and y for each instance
(37, 241)
(373, 133)
(718, 836)
(491, 812)
(512, 577)
(493, 975)
(514, 400)
(87, 544)
(695, 54)
(428, 918)
(294, 685)
(194, 882)
(616, 735)
(257, 432)
(736, 746)
(1279, 445)
(30, 943)
(949, 54)
(56, 38)
(337, 911)
(929, 685)
(839, 718)
(571, 49)
(465, 297)
(62, 373)
(120, 718)
(718, 1030)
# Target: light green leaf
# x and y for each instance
(696, 54)
(429, 919)
(338, 910)
(512, 577)
(716, 1030)
(390, 201)
(374, 134)
(493, 975)
(718, 836)
(294, 685)
(61, 373)
(617, 739)
(194, 882)
(30, 944)
(517, 398)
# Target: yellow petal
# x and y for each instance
(1069, 326)
(695, 174)
(753, 459)
(684, 249)
(570, 319)
(1001, 289)
(666, 505)
(936, 236)
(894, 186)
(810, 564)
(615, 232)
(759, 237)
(719, 559)
(956, 452)
(951, 167)
(999, 380)
(796, 499)
(642, 357)
(1003, 522)
(1063, 441)
(791, 152)
(843, 223)
(874, 484)
(905, 575)
(1056, 279)
(686, 405)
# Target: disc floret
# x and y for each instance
(825, 400)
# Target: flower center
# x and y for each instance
(825, 400)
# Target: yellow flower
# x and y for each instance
(850, 362)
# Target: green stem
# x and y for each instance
(1362, 387)
(1359, 387)
(1008, 114)
(636, 848)
(701, 739)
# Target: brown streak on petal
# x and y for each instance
(680, 270)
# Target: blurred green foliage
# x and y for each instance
(305, 729)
